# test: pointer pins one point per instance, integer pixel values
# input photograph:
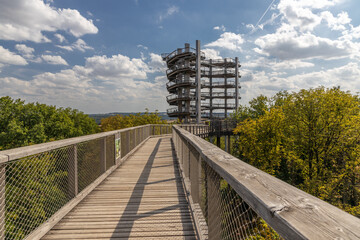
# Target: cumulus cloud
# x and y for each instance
(79, 44)
(23, 20)
(229, 41)
(211, 53)
(119, 80)
(260, 82)
(336, 23)
(156, 63)
(25, 51)
(9, 58)
(286, 43)
(60, 37)
(54, 60)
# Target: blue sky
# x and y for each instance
(104, 56)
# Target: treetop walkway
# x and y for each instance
(143, 183)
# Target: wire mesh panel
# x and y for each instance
(88, 157)
(227, 215)
(36, 187)
(110, 151)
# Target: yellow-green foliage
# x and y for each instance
(309, 139)
(119, 121)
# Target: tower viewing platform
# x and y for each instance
(154, 182)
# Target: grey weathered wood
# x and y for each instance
(73, 172)
(103, 155)
(16, 153)
(53, 220)
(142, 198)
(293, 213)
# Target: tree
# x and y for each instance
(119, 121)
(309, 139)
(36, 186)
(25, 124)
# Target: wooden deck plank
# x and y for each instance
(142, 199)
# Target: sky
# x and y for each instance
(104, 56)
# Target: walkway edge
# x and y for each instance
(44, 228)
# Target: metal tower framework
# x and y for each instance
(200, 88)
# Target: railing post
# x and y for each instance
(214, 205)
(186, 159)
(2, 200)
(73, 172)
(195, 173)
(103, 155)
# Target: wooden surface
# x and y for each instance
(293, 213)
(142, 199)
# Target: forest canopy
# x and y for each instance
(24, 124)
(132, 120)
(309, 139)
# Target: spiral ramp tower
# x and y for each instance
(218, 85)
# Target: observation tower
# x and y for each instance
(201, 88)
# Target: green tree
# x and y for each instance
(119, 121)
(32, 123)
(36, 186)
(310, 139)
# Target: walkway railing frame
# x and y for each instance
(131, 139)
(292, 213)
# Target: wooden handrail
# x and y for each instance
(293, 213)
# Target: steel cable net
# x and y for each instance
(89, 168)
(36, 187)
(228, 216)
(110, 152)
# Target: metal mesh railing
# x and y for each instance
(36, 185)
(226, 214)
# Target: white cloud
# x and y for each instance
(142, 46)
(55, 60)
(263, 62)
(22, 20)
(286, 43)
(79, 44)
(156, 63)
(298, 16)
(222, 28)
(9, 58)
(256, 83)
(25, 51)
(211, 53)
(103, 84)
(170, 11)
(229, 41)
(60, 37)
(336, 23)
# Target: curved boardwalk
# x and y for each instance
(142, 199)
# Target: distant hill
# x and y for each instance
(98, 117)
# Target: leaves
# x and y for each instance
(309, 139)
(25, 124)
(119, 121)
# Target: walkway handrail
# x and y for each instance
(239, 201)
(41, 183)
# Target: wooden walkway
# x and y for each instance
(142, 199)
